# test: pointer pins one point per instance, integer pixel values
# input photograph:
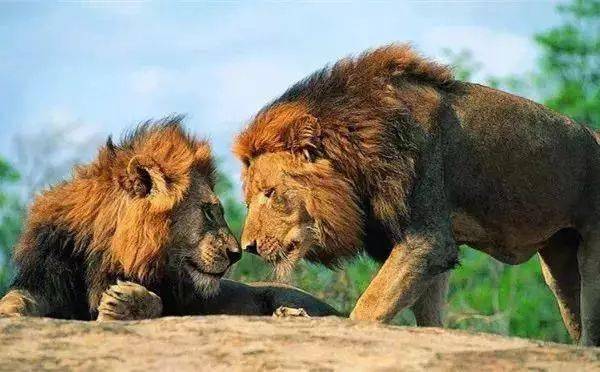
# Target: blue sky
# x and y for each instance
(109, 65)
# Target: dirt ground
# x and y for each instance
(215, 343)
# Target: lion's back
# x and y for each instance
(515, 160)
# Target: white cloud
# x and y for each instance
(244, 86)
(60, 115)
(149, 80)
(500, 53)
(62, 121)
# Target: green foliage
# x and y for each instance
(10, 222)
(486, 295)
(234, 211)
(462, 62)
(7, 175)
(570, 64)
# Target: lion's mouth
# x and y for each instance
(207, 283)
(273, 251)
(192, 266)
(284, 259)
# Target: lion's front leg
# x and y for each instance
(19, 302)
(129, 301)
(429, 308)
(407, 273)
(424, 242)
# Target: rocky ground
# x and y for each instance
(261, 343)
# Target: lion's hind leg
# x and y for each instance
(18, 302)
(588, 259)
(129, 301)
(558, 259)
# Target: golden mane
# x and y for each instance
(101, 207)
(270, 131)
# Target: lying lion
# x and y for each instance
(387, 153)
(131, 301)
(143, 212)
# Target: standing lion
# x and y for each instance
(387, 153)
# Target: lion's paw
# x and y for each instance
(290, 312)
(17, 303)
(128, 301)
(6, 312)
(10, 308)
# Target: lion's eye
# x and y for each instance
(209, 214)
(269, 192)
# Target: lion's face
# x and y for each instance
(170, 222)
(299, 208)
(202, 248)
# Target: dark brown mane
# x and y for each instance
(370, 67)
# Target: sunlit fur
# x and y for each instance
(328, 139)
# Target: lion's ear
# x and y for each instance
(304, 137)
(143, 177)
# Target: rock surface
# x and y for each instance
(215, 343)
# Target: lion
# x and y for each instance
(387, 153)
(137, 233)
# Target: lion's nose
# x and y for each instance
(251, 247)
(234, 254)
